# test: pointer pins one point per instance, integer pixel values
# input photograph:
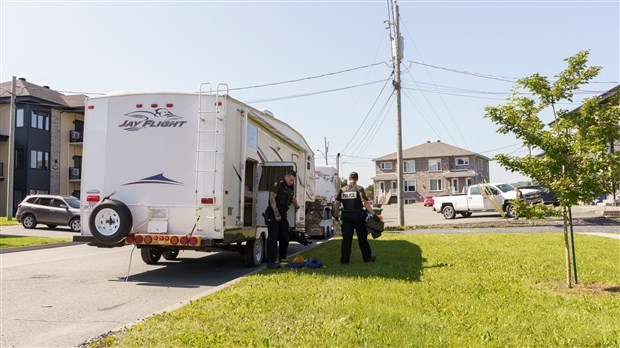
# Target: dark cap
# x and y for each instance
(353, 176)
(291, 173)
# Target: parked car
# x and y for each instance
(50, 210)
(547, 196)
(429, 201)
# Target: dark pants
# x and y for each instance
(277, 232)
(354, 221)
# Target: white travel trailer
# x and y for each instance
(319, 221)
(172, 171)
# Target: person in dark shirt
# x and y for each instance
(281, 196)
(353, 200)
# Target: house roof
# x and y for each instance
(606, 95)
(385, 176)
(430, 149)
(24, 88)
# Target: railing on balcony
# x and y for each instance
(75, 137)
(75, 173)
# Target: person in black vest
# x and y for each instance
(281, 196)
(353, 199)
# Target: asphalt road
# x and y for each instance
(417, 214)
(64, 296)
(61, 297)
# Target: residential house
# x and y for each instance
(429, 169)
(47, 141)
(613, 196)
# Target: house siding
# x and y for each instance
(476, 170)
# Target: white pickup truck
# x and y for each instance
(473, 200)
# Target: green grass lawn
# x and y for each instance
(5, 222)
(15, 241)
(455, 290)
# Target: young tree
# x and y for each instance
(577, 162)
(370, 192)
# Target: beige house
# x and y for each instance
(47, 140)
(430, 169)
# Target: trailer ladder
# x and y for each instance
(205, 112)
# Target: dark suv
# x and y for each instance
(547, 196)
(49, 210)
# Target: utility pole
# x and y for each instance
(397, 55)
(338, 167)
(10, 171)
(326, 149)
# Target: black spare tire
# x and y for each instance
(110, 221)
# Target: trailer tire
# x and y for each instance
(170, 254)
(150, 255)
(448, 212)
(110, 221)
(254, 252)
(466, 214)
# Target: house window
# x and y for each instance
(461, 161)
(409, 166)
(469, 182)
(394, 189)
(435, 184)
(39, 159)
(19, 118)
(434, 165)
(385, 165)
(382, 186)
(409, 186)
(40, 120)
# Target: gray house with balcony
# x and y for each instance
(429, 169)
(47, 139)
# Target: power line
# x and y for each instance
(308, 78)
(367, 114)
(311, 93)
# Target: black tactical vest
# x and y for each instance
(284, 197)
(351, 199)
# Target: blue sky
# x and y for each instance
(145, 46)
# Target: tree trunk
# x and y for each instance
(566, 247)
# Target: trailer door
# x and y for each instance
(269, 173)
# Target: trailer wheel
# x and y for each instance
(110, 221)
(170, 254)
(254, 252)
(466, 214)
(448, 212)
(150, 255)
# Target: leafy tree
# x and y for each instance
(576, 163)
(370, 192)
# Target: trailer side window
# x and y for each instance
(252, 136)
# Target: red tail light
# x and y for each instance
(139, 239)
(93, 198)
(174, 240)
(183, 240)
(129, 239)
(207, 200)
(148, 239)
(193, 241)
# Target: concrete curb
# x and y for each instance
(37, 247)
